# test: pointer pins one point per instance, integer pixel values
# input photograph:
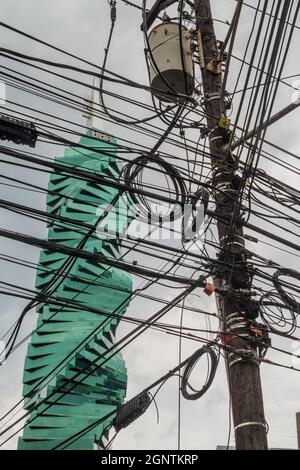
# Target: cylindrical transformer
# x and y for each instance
(171, 65)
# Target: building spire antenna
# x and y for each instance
(92, 108)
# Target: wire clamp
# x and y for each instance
(212, 96)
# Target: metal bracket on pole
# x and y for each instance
(288, 109)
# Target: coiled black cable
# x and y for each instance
(189, 368)
(133, 172)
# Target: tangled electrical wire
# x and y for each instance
(279, 309)
(279, 286)
(277, 316)
(190, 208)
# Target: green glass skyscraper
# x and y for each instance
(77, 399)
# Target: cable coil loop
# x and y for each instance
(133, 173)
(189, 368)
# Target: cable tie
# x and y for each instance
(249, 423)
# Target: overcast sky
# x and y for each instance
(81, 27)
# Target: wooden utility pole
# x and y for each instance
(234, 281)
(298, 428)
